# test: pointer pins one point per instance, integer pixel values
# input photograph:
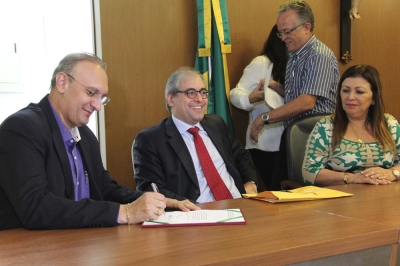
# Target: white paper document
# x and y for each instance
(267, 73)
(272, 98)
(200, 217)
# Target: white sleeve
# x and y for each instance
(251, 77)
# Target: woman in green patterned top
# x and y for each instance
(359, 143)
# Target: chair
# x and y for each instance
(296, 138)
(132, 157)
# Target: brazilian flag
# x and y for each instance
(213, 44)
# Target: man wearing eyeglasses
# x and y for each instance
(168, 154)
(51, 173)
(311, 80)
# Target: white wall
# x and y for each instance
(43, 32)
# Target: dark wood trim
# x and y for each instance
(345, 31)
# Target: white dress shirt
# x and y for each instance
(205, 191)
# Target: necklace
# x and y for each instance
(361, 143)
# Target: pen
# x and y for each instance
(155, 189)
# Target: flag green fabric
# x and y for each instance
(213, 44)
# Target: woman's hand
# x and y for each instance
(257, 94)
(379, 173)
(361, 178)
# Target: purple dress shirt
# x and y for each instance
(79, 175)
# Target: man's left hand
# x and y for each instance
(184, 205)
(250, 188)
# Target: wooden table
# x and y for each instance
(379, 204)
(374, 203)
(275, 234)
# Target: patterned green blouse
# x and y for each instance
(349, 156)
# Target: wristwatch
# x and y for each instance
(265, 118)
(396, 174)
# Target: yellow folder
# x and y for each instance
(298, 194)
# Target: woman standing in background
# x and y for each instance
(249, 96)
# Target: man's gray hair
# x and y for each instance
(68, 63)
(303, 11)
(174, 82)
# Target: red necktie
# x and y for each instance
(214, 180)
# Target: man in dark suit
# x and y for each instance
(166, 154)
(51, 173)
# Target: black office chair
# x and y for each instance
(296, 138)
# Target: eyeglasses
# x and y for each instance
(192, 93)
(104, 99)
(287, 32)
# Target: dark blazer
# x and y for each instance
(36, 187)
(161, 156)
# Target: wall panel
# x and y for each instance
(375, 41)
(143, 43)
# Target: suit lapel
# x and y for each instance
(215, 136)
(179, 146)
(59, 147)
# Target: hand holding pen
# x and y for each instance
(155, 189)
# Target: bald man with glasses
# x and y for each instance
(190, 155)
(51, 172)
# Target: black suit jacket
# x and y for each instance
(161, 156)
(36, 187)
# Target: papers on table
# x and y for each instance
(200, 217)
(298, 194)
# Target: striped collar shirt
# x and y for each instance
(312, 70)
